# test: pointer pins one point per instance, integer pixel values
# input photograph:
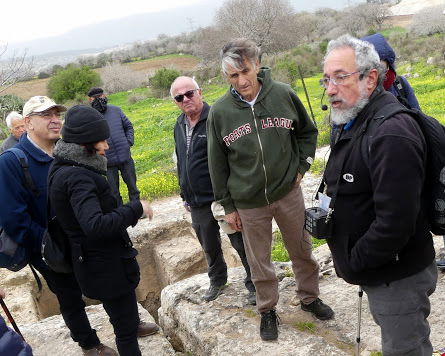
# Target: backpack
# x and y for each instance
(14, 256)
(401, 96)
(56, 252)
(434, 134)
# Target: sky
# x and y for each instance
(46, 18)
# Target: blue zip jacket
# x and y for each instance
(22, 213)
(11, 344)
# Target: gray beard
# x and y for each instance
(340, 117)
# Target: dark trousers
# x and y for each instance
(124, 317)
(207, 230)
(128, 173)
(72, 306)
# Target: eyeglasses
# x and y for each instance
(189, 94)
(46, 114)
(338, 79)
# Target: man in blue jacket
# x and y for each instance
(120, 141)
(196, 187)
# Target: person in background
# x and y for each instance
(16, 125)
(121, 139)
(396, 85)
(196, 187)
(380, 236)
(104, 261)
(260, 144)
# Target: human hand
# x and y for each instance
(2, 293)
(186, 206)
(148, 211)
(298, 179)
(234, 221)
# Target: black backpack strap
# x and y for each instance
(23, 160)
(36, 276)
(402, 95)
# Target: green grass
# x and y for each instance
(305, 326)
(154, 120)
(279, 252)
(165, 56)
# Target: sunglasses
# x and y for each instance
(189, 94)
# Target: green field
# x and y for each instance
(154, 119)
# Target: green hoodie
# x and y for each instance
(256, 152)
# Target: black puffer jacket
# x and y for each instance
(380, 230)
(121, 136)
(104, 261)
(193, 168)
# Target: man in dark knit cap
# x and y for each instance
(120, 141)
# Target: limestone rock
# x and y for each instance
(51, 337)
(227, 326)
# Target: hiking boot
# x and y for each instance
(100, 350)
(318, 309)
(213, 292)
(251, 298)
(146, 329)
(269, 325)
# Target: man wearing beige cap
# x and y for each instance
(24, 213)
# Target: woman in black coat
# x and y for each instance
(104, 261)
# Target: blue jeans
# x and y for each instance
(401, 309)
(128, 173)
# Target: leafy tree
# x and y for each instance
(8, 103)
(71, 82)
(162, 80)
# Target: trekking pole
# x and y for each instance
(359, 312)
(307, 95)
(10, 318)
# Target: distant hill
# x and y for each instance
(411, 7)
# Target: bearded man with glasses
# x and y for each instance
(380, 238)
(196, 188)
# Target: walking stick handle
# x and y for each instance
(10, 318)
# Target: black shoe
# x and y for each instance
(318, 309)
(251, 298)
(213, 292)
(269, 325)
(441, 263)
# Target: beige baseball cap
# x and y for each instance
(39, 104)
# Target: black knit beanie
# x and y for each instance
(83, 124)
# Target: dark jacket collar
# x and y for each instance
(36, 153)
(203, 116)
(75, 154)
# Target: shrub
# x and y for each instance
(8, 103)
(117, 77)
(73, 81)
(162, 80)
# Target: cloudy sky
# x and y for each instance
(28, 20)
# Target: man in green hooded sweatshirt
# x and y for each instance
(260, 144)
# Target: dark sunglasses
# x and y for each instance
(189, 94)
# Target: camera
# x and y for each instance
(318, 222)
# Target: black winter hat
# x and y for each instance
(83, 124)
(95, 92)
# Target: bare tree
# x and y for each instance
(429, 21)
(14, 69)
(117, 77)
(259, 20)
